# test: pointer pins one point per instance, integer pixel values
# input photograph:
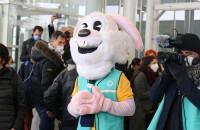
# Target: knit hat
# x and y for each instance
(190, 42)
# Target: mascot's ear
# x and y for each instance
(129, 28)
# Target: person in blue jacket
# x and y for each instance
(25, 74)
(178, 90)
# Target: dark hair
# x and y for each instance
(56, 34)
(4, 55)
(147, 60)
(136, 61)
(39, 28)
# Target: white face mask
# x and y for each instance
(59, 49)
(154, 67)
(190, 59)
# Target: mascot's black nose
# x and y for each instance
(84, 33)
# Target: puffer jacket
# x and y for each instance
(12, 105)
(47, 65)
(58, 96)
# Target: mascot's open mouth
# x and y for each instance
(85, 50)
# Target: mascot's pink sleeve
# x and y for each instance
(85, 102)
(125, 108)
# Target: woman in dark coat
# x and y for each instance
(143, 81)
(12, 106)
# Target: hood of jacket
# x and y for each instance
(43, 51)
(6, 73)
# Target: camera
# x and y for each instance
(166, 57)
(67, 34)
(173, 42)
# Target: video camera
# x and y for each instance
(173, 42)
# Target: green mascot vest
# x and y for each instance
(108, 86)
(190, 116)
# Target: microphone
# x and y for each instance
(162, 39)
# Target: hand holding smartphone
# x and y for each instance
(58, 15)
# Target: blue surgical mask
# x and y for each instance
(36, 37)
(13, 66)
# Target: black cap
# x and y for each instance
(190, 42)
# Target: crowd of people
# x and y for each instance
(166, 95)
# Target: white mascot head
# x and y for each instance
(98, 44)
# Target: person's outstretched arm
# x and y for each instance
(160, 86)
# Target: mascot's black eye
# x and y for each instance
(97, 25)
(85, 25)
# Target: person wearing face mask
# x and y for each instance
(57, 42)
(68, 31)
(145, 108)
(28, 44)
(178, 90)
(11, 63)
(47, 65)
(58, 96)
(12, 106)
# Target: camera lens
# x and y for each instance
(166, 57)
(67, 34)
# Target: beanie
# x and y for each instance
(190, 42)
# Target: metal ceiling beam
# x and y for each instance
(178, 6)
(50, 11)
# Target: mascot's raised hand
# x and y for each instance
(102, 94)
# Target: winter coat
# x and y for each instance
(143, 104)
(26, 49)
(58, 96)
(25, 72)
(51, 30)
(172, 107)
(12, 106)
(47, 65)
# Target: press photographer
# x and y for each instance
(178, 86)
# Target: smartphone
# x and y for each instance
(58, 15)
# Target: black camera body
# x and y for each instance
(176, 56)
(167, 57)
(67, 34)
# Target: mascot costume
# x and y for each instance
(102, 94)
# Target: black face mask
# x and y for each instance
(67, 34)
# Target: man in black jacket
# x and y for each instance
(28, 44)
(178, 88)
(47, 65)
(58, 96)
(12, 105)
(68, 31)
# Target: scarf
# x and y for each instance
(193, 73)
(150, 75)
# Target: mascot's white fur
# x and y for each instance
(102, 92)
(107, 45)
